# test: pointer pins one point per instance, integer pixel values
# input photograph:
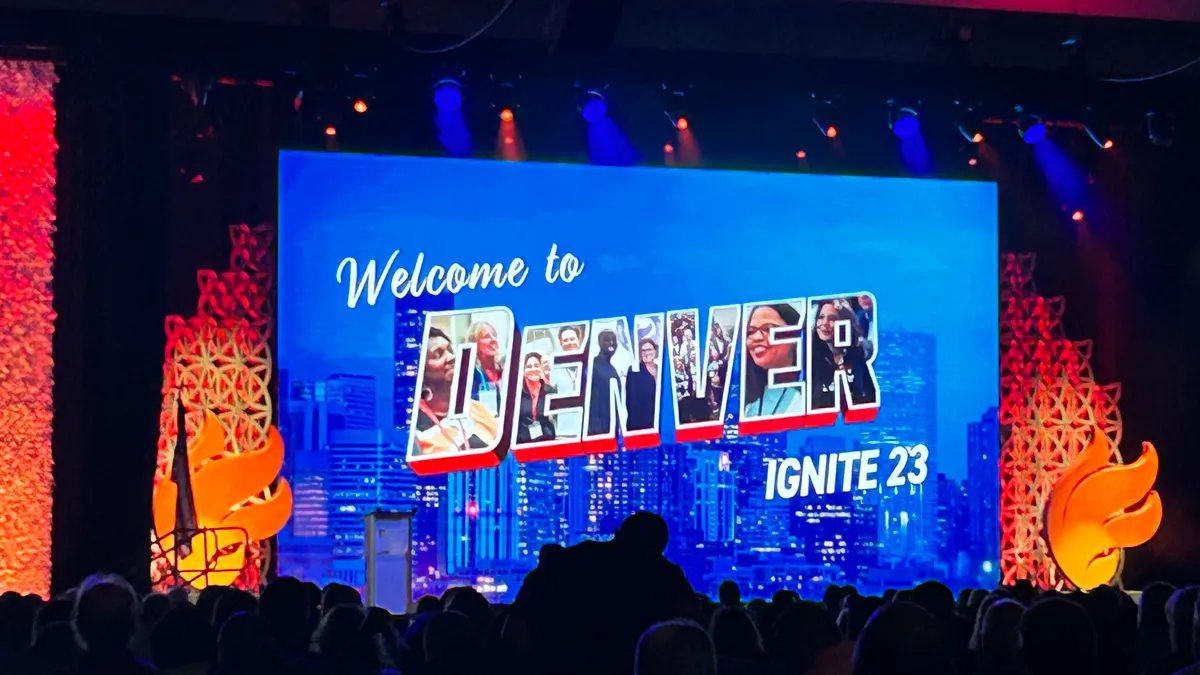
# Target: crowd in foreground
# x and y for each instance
(602, 608)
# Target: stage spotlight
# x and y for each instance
(800, 154)
(668, 148)
(331, 130)
(1077, 216)
(824, 116)
(1032, 128)
(903, 120)
(1160, 128)
(1096, 129)
(674, 106)
(360, 106)
(969, 122)
(593, 106)
(972, 162)
(447, 95)
(504, 97)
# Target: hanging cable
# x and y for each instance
(463, 42)
(1148, 78)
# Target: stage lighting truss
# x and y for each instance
(969, 121)
(505, 100)
(591, 102)
(1031, 127)
(675, 105)
(824, 115)
(904, 118)
(1160, 127)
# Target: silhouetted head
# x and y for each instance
(154, 607)
(245, 646)
(105, 615)
(936, 598)
(902, 639)
(833, 598)
(857, 612)
(1179, 610)
(643, 532)
(181, 637)
(232, 603)
(56, 611)
(336, 594)
(16, 622)
(801, 632)
(1000, 636)
(55, 649)
(675, 648)
(1057, 637)
(734, 633)
(729, 593)
(471, 604)
(445, 635)
(428, 603)
(286, 606)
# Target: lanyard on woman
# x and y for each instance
(437, 422)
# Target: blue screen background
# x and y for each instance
(651, 240)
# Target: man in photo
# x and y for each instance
(565, 380)
(603, 372)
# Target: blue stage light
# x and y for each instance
(1031, 127)
(906, 125)
(447, 95)
(1034, 133)
(595, 108)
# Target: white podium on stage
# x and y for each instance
(389, 560)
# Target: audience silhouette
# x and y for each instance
(603, 608)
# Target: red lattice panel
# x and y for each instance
(1050, 403)
(221, 359)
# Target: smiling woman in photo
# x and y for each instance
(762, 355)
(435, 433)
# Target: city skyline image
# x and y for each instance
(349, 376)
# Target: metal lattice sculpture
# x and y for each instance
(221, 361)
(1050, 405)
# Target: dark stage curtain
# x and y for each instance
(110, 298)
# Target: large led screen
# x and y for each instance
(799, 373)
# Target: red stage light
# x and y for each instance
(360, 106)
(1108, 145)
(668, 148)
(1077, 216)
(506, 115)
(831, 132)
(331, 130)
(972, 161)
(681, 124)
(800, 154)
(508, 140)
(977, 138)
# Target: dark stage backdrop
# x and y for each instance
(150, 182)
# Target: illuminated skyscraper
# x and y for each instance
(906, 369)
(541, 506)
(367, 473)
(823, 523)
(715, 492)
(495, 528)
(351, 400)
(983, 467)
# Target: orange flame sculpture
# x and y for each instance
(230, 510)
(1097, 508)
